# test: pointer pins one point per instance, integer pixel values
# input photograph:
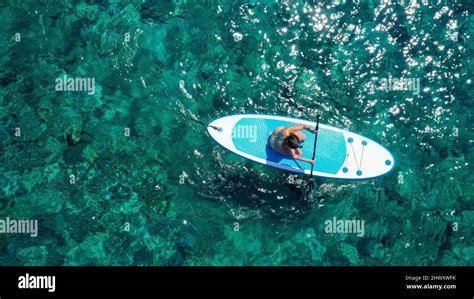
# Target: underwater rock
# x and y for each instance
(468, 254)
(84, 10)
(53, 8)
(249, 45)
(107, 166)
(73, 155)
(143, 257)
(41, 202)
(407, 185)
(30, 126)
(117, 36)
(33, 256)
(307, 84)
(381, 254)
(351, 253)
(9, 183)
(206, 71)
(185, 241)
(27, 86)
(177, 260)
(89, 253)
(117, 246)
(53, 147)
(44, 110)
(32, 178)
(119, 193)
(4, 204)
(73, 131)
(90, 154)
(4, 135)
(157, 10)
(311, 251)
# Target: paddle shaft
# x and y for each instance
(315, 141)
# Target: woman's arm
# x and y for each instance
(295, 156)
(295, 128)
(298, 157)
(298, 128)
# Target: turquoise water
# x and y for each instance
(127, 175)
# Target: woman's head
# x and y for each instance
(292, 141)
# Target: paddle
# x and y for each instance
(311, 180)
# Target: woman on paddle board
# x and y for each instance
(287, 141)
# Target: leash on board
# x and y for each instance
(311, 180)
(215, 128)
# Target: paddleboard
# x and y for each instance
(339, 154)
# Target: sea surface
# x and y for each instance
(124, 173)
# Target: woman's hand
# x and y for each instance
(308, 128)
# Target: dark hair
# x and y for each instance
(292, 141)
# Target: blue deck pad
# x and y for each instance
(250, 135)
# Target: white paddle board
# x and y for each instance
(339, 153)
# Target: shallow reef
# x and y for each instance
(127, 175)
